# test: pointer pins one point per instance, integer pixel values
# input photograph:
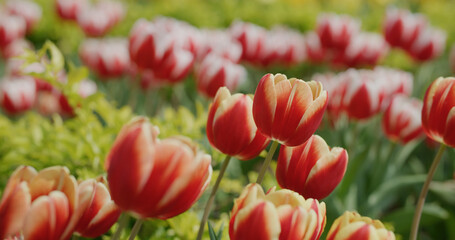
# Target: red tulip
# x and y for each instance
(15, 202)
(98, 211)
(428, 45)
(17, 95)
(315, 51)
(282, 215)
(175, 66)
(98, 19)
(231, 128)
(392, 82)
(288, 110)
(152, 178)
(336, 31)
(28, 10)
(352, 226)
(401, 121)
(69, 9)
(437, 114)
(11, 29)
(311, 169)
(402, 28)
(108, 58)
(215, 72)
(251, 37)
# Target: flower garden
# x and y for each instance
(227, 119)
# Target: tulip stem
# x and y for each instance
(423, 193)
(136, 228)
(121, 225)
(209, 204)
(267, 161)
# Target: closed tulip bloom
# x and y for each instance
(336, 31)
(402, 28)
(251, 37)
(428, 45)
(11, 28)
(288, 110)
(282, 215)
(28, 10)
(402, 119)
(69, 9)
(311, 169)
(153, 178)
(17, 95)
(315, 51)
(220, 43)
(438, 116)
(54, 201)
(352, 226)
(215, 72)
(231, 128)
(16, 48)
(98, 211)
(15, 202)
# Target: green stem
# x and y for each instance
(267, 161)
(423, 193)
(212, 197)
(121, 225)
(136, 228)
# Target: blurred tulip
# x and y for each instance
(392, 82)
(28, 10)
(17, 94)
(281, 215)
(86, 88)
(47, 102)
(16, 48)
(231, 128)
(152, 178)
(175, 66)
(428, 45)
(98, 211)
(288, 110)
(52, 214)
(222, 44)
(438, 116)
(69, 9)
(251, 37)
(311, 169)
(98, 19)
(402, 28)
(336, 31)
(15, 202)
(351, 225)
(215, 72)
(108, 58)
(314, 49)
(402, 119)
(11, 29)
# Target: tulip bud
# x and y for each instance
(336, 31)
(438, 116)
(288, 110)
(251, 37)
(231, 128)
(11, 29)
(152, 178)
(402, 119)
(351, 225)
(98, 211)
(69, 9)
(15, 202)
(315, 51)
(279, 215)
(28, 10)
(311, 169)
(428, 45)
(17, 95)
(402, 28)
(222, 44)
(215, 72)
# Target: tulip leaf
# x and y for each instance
(212, 234)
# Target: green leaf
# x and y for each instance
(212, 234)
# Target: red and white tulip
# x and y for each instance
(336, 31)
(17, 94)
(12, 28)
(28, 10)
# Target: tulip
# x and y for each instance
(231, 128)
(215, 72)
(16, 48)
(28, 10)
(402, 28)
(311, 169)
(17, 95)
(315, 51)
(351, 225)
(98, 19)
(222, 44)
(401, 121)
(11, 29)
(15, 202)
(251, 37)
(437, 115)
(288, 110)
(154, 178)
(281, 215)
(336, 31)
(85, 88)
(99, 212)
(175, 66)
(69, 9)
(392, 82)
(428, 45)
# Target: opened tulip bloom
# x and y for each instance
(153, 178)
(282, 215)
(352, 226)
(311, 169)
(288, 110)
